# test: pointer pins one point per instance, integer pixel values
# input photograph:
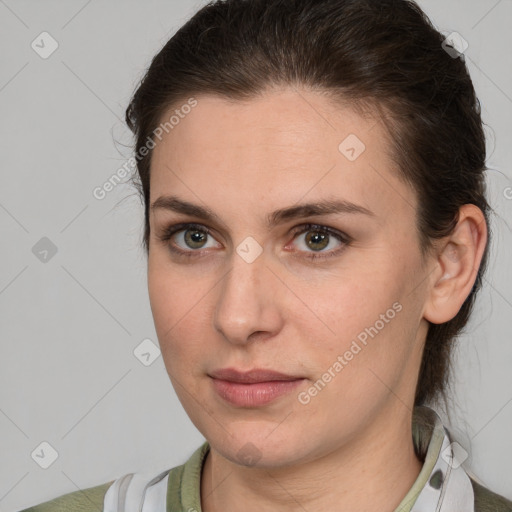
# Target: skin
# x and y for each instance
(350, 447)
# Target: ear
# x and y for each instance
(457, 263)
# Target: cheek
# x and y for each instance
(344, 303)
(177, 304)
(362, 317)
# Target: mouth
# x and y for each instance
(252, 376)
(252, 388)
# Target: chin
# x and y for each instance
(258, 445)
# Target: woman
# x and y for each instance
(316, 227)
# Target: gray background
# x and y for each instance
(70, 325)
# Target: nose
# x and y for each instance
(248, 302)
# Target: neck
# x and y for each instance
(377, 467)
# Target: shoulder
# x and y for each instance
(92, 499)
(85, 500)
(488, 501)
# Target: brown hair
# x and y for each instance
(384, 53)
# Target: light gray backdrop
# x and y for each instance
(72, 319)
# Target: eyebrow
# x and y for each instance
(322, 207)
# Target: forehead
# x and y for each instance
(277, 148)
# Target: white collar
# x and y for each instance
(448, 488)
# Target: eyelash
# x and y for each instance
(299, 230)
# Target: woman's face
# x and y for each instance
(261, 290)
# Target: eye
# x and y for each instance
(185, 237)
(188, 240)
(318, 238)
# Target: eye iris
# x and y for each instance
(195, 238)
(317, 238)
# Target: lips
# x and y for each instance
(251, 376)
(253, 388)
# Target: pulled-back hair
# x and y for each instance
(380, 53)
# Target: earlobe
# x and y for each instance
(458, 262)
